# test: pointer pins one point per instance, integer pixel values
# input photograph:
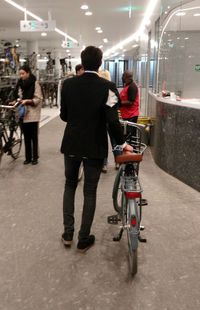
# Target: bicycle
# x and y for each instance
(127, 193)
(10, 131)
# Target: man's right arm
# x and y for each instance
(112, 117)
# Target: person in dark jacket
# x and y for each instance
(28, 91)
(87, 105)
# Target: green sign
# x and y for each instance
(197, 68)
(70, 44)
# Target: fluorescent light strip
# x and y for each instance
(148, 13)
(62, 33)
(22, 9)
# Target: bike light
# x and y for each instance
(132, 195)
(133, 221)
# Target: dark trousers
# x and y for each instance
(92, 171)
(30, 131)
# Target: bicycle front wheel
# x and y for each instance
(16, 141)
(132, 235)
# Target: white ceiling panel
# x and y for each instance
(114, 17)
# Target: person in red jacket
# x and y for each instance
(129, 98)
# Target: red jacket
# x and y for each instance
(128, 111)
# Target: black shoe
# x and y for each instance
(84, 244)
(104, 169)
(35, 162)
(26, 162)
(67, 239)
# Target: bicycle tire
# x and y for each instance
(117, 193)
(132, 236)
(16, 141)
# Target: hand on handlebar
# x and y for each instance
(128, 148)
(12, 103)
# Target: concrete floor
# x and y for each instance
(38, 273)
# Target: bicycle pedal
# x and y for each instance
(116, 239)
(142, 228)
(143, 240)
(113, 219)
(144, 202)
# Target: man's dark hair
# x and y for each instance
(78, 67)
(91, 58)
(25, 68)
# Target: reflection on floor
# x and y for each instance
(47, 114)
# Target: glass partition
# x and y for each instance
(178, 68)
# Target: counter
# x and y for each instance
(175, 137)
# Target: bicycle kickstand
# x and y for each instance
(144, 240)
(119, 236)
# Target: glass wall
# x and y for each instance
(179, 52)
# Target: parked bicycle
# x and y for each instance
(10, 131)
(127, 192)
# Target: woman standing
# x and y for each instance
(29, 92)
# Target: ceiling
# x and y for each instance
(113, 16)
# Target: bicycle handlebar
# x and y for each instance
(9, 107)
(125, 123)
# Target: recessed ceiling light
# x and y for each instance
(43, 34)
(180, 14)
(168, 7)
(178, 38)
(98, 28)
(100, 31)
(186, 38)
(196, 14)
(88, 13)
(165, 12)
(105, 40)
(67, 51)
(123, 55)
(124, 50)
(84, 7)
(100, 46)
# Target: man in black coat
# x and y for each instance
(88, 103)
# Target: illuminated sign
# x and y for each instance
(34, 25)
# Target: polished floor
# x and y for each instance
(38, 273)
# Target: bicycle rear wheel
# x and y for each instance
(16, 141)
(117, 193)
(132, 235)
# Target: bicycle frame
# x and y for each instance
(129, 209)
(10, 135)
